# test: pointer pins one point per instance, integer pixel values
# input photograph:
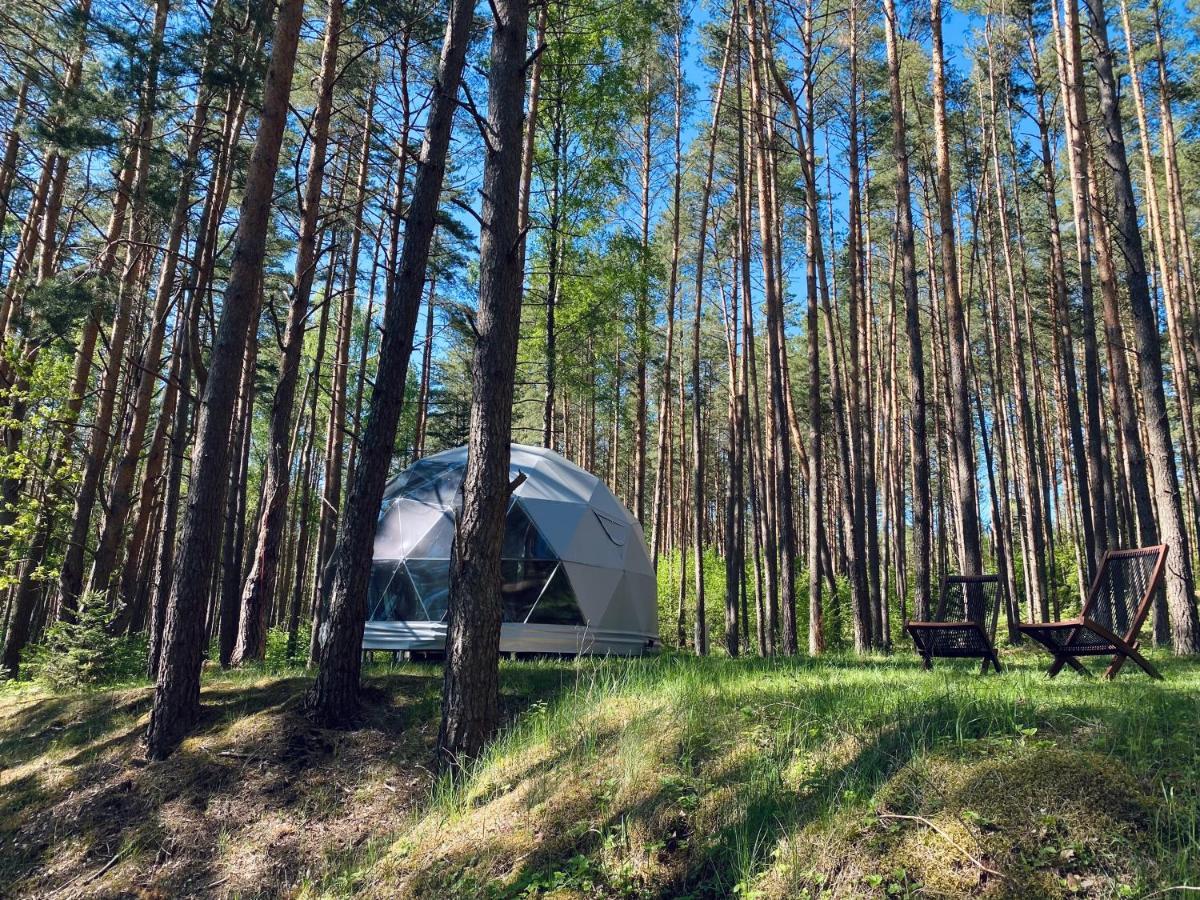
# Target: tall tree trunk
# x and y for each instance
(662, 473)
(1035, 570)
(177, 689)
(962, 441)
(780, 440)
(471, 689)
(921, 501)
(1181, 604)
(121, 492)
(1095, 531)
(261, 582)
(71, 578)
(335, 438)
(338, 640)
(557, 139)
(642, 316)
(295, 594)
(234, 535)
(1176, 322)
(1060, 304)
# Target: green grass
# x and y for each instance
(839, 777)
(664, 777)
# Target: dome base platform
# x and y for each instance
(515, 637)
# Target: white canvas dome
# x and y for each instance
(576, 576)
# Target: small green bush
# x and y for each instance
(277, 648)
(85, 653)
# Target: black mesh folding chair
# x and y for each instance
(1112, 616)
(964, 625)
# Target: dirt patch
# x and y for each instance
(257, 802)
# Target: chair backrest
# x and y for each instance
(968, 598)
(1121, 595)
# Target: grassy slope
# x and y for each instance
(657, 778)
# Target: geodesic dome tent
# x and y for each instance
(576, 576)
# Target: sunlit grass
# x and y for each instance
(667, 777)
(678, 776)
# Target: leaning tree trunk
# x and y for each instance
(121, 491)
(334, 697)
(177, 690)
(71, 579)
(260, 587)
(470, 691)
(335, 434)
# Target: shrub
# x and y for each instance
(277, 647)
(84, 653)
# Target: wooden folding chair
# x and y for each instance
(1113, 613)
(964, 625)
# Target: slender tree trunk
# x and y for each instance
(71, 578)
(921, 501)
(557, 138)
(177, 690)
(780, 440)
(296, 589)
(642, 317)
(663, 471)
(1075, 111)
(470, 693)
(260, 587)
(335, 439)
(960, 409)
(233, 538)
(338, 639)
(146, 375)
(1181, 604)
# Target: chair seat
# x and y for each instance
(960, 625)
(1073, 635)
(950, 639)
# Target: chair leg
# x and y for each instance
(995, 662)
(926, 662)
(1061, 660)
(1132, 653)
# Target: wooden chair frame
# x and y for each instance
(924, 634)
(1061, 638)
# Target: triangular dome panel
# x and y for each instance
(636, 559)
(557, 521)
(557, 604)
(603, 501)
(594, 589)
(592, 545)
(402, 526)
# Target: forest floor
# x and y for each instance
(665, 777)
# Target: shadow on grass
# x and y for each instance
(720, 812)
(256, 799)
